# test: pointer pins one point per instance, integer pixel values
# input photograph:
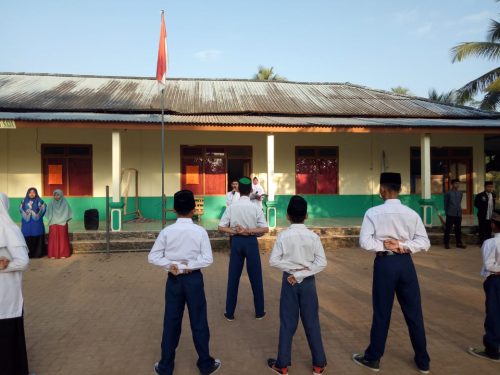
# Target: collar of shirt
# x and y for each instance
(244, 197)
(184, 220)
(297, 226)
(392, 201)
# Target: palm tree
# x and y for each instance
(267, 74)
(449, 97)
(488, 83)
(401, 90)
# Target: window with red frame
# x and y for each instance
(67, 167)
(316, 170)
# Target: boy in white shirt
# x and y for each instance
(298, 252)
(233, 195)
(182, 249)
(491, 272)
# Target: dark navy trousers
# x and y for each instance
(184, 290)
(299, 300)
(395, 274)
(491, 339)
(244, 248)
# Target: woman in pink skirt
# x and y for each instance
(58, 215)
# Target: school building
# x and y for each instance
(326, 141)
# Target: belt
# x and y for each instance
(493, 276)
(388, 253)
(170, 274)
(384, 253)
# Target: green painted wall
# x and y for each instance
(319, 205)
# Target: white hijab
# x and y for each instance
(10, 234)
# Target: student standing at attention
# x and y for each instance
(183, 249)
(244, 221)
(298, 252)
(394, 232)
(491, 273)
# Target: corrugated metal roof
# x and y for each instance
(229, 120)
(122, 95)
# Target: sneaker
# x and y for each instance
(271, 363)
(481, 353)
(359, 359)
(215, 367)
(319, 370)
(228, 317)
(156, 369)
(461, 246)
(260, 317)
(424, 370)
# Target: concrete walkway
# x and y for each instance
(89, 315)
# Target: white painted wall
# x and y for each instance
(360, 156)
(4, 158)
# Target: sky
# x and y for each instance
(379, 44)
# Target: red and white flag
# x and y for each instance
(162, 65)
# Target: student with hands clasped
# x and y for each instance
(298, 252)
(244, 221)
(393, 232)
(183, 249)
(491, 272)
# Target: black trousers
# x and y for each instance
(180, 291)
(13, 357)
(36, 246)
(491, 339)
(396, 275)
(453, 221)
(484, 229)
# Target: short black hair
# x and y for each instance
(487, 183)
(297, 209)
(244, 186)
(184, 202)
(392, 187)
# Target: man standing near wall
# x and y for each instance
(453, 209)
(485, 204)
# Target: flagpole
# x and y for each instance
(161, 71)
(163, 208)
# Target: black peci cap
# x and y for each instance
(184, 201)
(297, 206)
(390, 178)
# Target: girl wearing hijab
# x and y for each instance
(58, 215)
(13, 261)
(32, 210)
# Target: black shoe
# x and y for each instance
(446, 246)
(481, 353)
(260, 317)
(359, 359)
(271, 363)
(424, 369)
(461, 246)
(215, 367)
(228, 317)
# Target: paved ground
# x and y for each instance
(89, 315)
